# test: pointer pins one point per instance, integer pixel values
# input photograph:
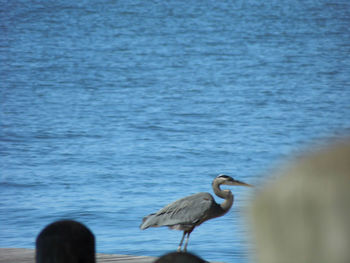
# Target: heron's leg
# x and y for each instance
(188, 237)
(182, 240)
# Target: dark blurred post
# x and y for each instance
(65, 241)
(179, 257)
(304, 215)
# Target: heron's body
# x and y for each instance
(185, 213)
(191, 211)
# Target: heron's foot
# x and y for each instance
(179, 249)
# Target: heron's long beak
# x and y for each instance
(240, 183)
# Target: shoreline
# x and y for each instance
(27, 255)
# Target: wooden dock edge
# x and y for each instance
(25, 255)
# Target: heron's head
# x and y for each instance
(228, 180)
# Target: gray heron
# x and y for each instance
(191, 211)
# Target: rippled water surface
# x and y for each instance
(112, 109)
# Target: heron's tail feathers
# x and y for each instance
(147, 222)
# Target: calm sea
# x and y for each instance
(112, 109)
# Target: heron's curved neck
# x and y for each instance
(225, 194)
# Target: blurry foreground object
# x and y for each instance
(305, 215)
(65, 241)
(179, 257)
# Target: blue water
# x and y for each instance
(112, 109)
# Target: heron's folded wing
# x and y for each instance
(189, 210)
